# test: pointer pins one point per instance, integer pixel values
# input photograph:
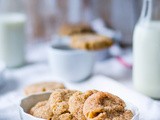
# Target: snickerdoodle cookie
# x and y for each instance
(43, 87)
(71, 29)
(76, 103)
(65, 116)
(90, 41)
(126, 115)
(58, 101)
(105, 106)
(41, 110)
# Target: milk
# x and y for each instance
(146, 71)
(12, 39)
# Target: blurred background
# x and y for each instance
(28, 26)
(45, 16)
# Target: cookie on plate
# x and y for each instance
(103, 105)
(41, 110)
(76, 103)
(58, 101)
(43, 87)
(71, 29)
(90, 41)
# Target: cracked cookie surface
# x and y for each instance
(58, 101)
(41, 110)
(105, 106)
(65, 116)
(76, 103)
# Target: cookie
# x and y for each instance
(71, 29)
(65, 116)
(90, 41)
(41, 110)
(76, 103)
(43, 87)
(102, 106)
(58, 101)
(126, 115)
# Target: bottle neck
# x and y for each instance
(150, 11)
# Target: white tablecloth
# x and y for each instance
(12, 91)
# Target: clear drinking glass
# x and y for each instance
(12, 33)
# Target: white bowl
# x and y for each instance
(28, 102)
(70, 64)
(101, 55)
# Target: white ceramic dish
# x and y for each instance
(30, 101)
(70, 64)
(101, 55)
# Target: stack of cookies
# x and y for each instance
(64, 104)
(83, 37)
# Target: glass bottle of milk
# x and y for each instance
(146, 50)
(12, 33)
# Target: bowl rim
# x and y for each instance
(65, 41)
(21, 109)
(51, 49)
(22, 113)
(134, 108)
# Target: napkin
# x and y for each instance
(148, 108)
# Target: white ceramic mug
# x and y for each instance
(70, 64)
(12, 39)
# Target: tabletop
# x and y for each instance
(37, 70)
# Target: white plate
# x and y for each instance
(28, 102)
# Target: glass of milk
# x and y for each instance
(12, 33)
(146, 49)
